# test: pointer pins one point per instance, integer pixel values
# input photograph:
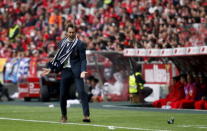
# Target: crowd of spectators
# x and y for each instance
(185, 91)
(34, 27)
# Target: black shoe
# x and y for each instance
(63, 119)
(10, 99)
(86, 120)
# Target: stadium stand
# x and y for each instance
(103, 24)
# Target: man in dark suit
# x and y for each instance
(70, 59)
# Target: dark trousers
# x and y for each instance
(145, 92)
(4, 91)
(67, 78)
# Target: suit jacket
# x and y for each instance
(77, 59)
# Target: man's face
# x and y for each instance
(71, 33)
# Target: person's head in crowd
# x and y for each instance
(35, 53)
(108, 73)
(176, 79)
(183, 78)
(202, 79)
(173, 82)
(94, 82)
(56, 11)
(138, 68)
(89, 80)
(190, 78)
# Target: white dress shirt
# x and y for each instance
(67, 62)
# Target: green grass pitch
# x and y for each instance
(43, 118)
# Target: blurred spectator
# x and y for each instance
(13, 31)
(117, 90)
(4, 92)
(138, 92)
(202, 93)
(104, 25)
(191, 92)
(94, 90)
(174, 88)
(117, 87)
(56, 19)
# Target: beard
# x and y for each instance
(71, 37)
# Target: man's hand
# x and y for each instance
(45, 71)
(83, 74)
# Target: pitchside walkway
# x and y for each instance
(106, 105)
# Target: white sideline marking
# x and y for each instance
(70, 123)
(194, 126)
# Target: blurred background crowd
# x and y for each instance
(32, 28)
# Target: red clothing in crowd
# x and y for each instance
(200, 104)
(190, 96)
(175, 94)
(205, 105)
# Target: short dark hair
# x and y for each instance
(176, 78)
(95, 80)
(90, 78)
(70, 25)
